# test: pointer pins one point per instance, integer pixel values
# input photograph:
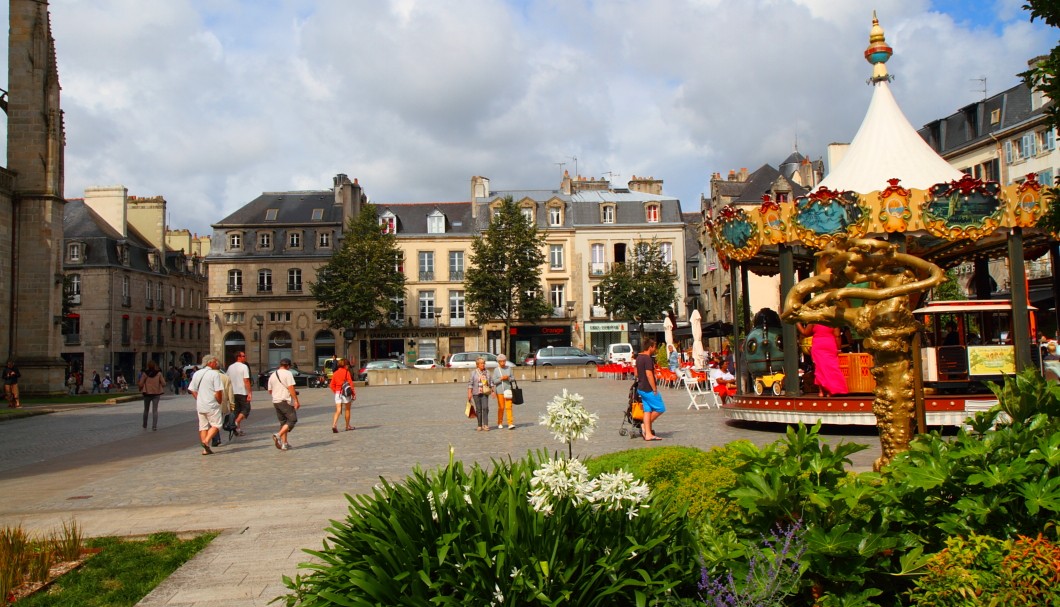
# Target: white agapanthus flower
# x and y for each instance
(619, 491)
(430, 500)
(560, 479)
(568, 419)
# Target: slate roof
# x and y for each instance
(82, 224)
(412, 217)
(970, 125)
(583, 208)
(292, 208)
(761, 182)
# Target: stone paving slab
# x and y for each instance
(99, 467)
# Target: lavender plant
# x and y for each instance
(773, 573)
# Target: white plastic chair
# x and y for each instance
(697, 396)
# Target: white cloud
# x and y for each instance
(209, 103)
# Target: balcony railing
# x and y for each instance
(149, 339)
(296, 288)
(126, 300)
(235, 289)
(149, 303)
(456, 275)
(428, 322)
(264, 288)
(125, 340)
(426, 276)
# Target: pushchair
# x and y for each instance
(634, 415)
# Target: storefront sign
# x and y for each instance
(605, 327)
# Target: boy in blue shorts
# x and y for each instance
(648, 389)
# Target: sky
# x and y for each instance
(209, 103)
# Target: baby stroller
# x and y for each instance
(634, 415)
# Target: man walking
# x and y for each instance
(648, 389)
(239, 373)
(208, 391)
(285, 401)
(11, 375)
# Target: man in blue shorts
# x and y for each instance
(648, 389)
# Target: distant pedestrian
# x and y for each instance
(96, 383)
(152, 385)
(71, 384)
(173, 376)
(208, 390)
(344, 396)
(242, 389)
(11, 375)
(502, 383)
(479, 387)
(106, 384)
(285, 401)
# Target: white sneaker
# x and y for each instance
(511, 426)
(500, 426)
(285, 447)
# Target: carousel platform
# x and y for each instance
(851, 409)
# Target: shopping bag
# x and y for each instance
(517, 394)
(637, 412)
(469, 410)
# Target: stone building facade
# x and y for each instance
(136, 291)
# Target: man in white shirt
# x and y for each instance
(285, 401)
(724, 381)
(242, 389)
(208, 391)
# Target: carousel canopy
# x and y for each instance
(886, 145)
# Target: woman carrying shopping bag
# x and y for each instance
(502, 380)
(479, 390)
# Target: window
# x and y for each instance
(598, 295)
(652, 213)
(607, 213)
(426, 305)
(235, 281)
(126, 299)
(148, 292)
(666, 249)
(456, 265)
(436, 223)
(235, 241)
(73, 252)
(123, 254)
(426, 265)
(324, 240)
(596, 267)
(388, 223)
(318, 214)
(158, 292)
(265, 240)
(235, 318)
(147, 330)
(183, 292)
(397, 315)
(1046, 140)
(528, 214)
(556, 297)
(73, 288)
(1028, 146)
(264, 281)
(695, 271)
(457, 309)
(399, 263)
(270, 214)
(294, 280)
(555, 216)
(555, 256)
(294, 240)
(279, 317)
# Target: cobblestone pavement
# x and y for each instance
(98, 466)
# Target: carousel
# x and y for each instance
(867, 246)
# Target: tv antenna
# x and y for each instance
(575, 159)
(982, 85)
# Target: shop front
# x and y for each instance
(527, 339)
(409, 344)
(599, 335)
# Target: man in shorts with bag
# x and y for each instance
(242, 388)
(285, 401)
(648, 389)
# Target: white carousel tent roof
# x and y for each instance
(886, 145)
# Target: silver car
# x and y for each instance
(466, 360)
(558, 355)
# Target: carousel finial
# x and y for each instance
(878, 52)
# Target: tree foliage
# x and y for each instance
(503, 280)
(358, 286)
(950, 290)
(1045, 77)
(643, 287)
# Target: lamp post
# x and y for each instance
(570, 314)
(437, 334)
(259, 321)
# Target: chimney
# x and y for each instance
(646, 185)
(480, 190)
(564, 185)
(732, 175)
(743, 174)
(110, 203)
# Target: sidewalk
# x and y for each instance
(97, 466)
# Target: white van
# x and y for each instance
(620, 353)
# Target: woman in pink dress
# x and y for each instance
(825, 354)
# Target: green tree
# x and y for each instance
(360, 285)
(503, 280)
(643, 287)
(950, 290)
(1045, 77)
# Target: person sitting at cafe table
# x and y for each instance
(724, 381)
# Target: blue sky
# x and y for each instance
(211, 102)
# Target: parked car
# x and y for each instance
(558, 355)
(309, 379)
(466, 360)
(377, 365)
(425, 363)
(620, 353)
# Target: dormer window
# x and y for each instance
(153, 260)
(528, 213)
(264, 240)
(75, 252)
(388, 223)
(123, 253)
(324, 240)
(294, 239)
(235, 241)
(318, 214)
(607, 213)
(555, 216)
(651, 213)
(270, 214)
(436, 223)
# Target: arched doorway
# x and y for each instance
(279, 347)
(234, 343)
(323, 347)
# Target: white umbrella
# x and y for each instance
(698, 355)
(668, 326)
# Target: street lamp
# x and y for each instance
(437, 334)
(570, 314)
(259, 321)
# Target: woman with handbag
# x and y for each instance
(502, 379)
(479, 389)
(342, 386)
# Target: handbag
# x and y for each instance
(637, 412)
(516, 397)
(469, 410)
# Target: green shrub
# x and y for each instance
(1026, 394)
(986, 571)
(472, 537)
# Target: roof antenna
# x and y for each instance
(982, 86)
